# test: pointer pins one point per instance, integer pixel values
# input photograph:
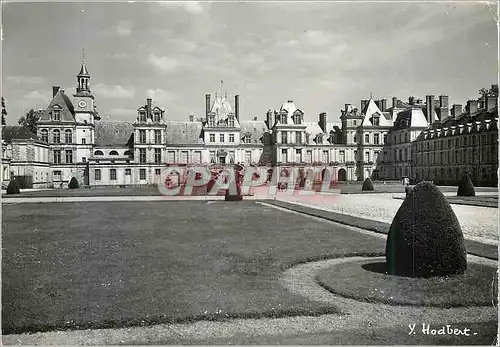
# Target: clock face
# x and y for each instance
(82, 103)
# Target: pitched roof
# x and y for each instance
(83, 71)
(370, 110)
(113, 133)
(412, 117)
(62, 102)
(184, 133)
(255, 128)
(17, 132)
(313, 128)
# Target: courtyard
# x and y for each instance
(198, 272)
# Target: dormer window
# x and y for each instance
(376, 120)
(247, 139)
(142, 116)
(283, 119)
(211, 121)
(156, 116)
(230, 122)
(56, 115)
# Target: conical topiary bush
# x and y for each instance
(367, 184)
(425, 238)
(73, 183)
(466, 188)
(13, 187)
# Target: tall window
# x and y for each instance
(142, 136)
(376, 139)
(231, 137)
(157, 136)
(142, 155)
(212, 137)
(326, 158)
(284, 155)
(298, 155)
(248, 139)
(367, 138)
(385, 138)
(248, 157)
(211, 121)
(56, 136)
(56, 115)
(298, 137)
(406, 137)
(284, 137)
(45, 135)
(309, 156)
(156, 116)
(97, 174)
(112, 174)
(157, 155)
(68, 136)
(142, 174)
(221, 137)
(230, 122)
(69, 157)
(57, 156)
(84, 141)
(367, 156)
(375, 156)
(406, 154)
(57, 175)
(376, 120)
(128, 172)
(342, 156)
(142, 116)
(184, 157)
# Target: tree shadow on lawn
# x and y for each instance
(369, 281)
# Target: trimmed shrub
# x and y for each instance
(237, 197)
(466, 188)
(13, 188)
(73, 183)
(425, 238)
(367, 184)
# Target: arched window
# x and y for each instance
(113, 152)
(45, 135)
(98, 153)
(56, 136)
(127, 153)
(68, 136)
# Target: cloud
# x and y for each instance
(123, 28)
(35, 95)
(26, 79)
(118, 56)
(193, 7)
(122, 113)
(116, 91)
(166, 64)
(161, 97)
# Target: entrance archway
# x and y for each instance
(342, 175)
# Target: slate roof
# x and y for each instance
(184, 132)
(371, 109)
(412, 117)
(17, 132)
(255, 128)
(113, 133)
(66, 107)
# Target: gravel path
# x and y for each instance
(477, 222)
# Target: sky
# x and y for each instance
(321, 55)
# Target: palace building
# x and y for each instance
(415, 139)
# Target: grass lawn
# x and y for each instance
(115, 264)
(367, 281)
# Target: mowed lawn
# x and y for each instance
(114, 264)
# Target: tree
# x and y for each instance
(4, 112)
(30, 120)
(425, 238)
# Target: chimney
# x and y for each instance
(254, 118)
(456, 111)
(429, 107)
(237, 107)
(394, 101)
(364, 103)
(55, 89)
(491, 102)
(443, 101)
(383, 105)
(191, 118)
(207, 104)
(472, 106)
(149, 103)
(411, 100)
(269, 119)
(322, 121)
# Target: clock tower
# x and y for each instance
(85, 110)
